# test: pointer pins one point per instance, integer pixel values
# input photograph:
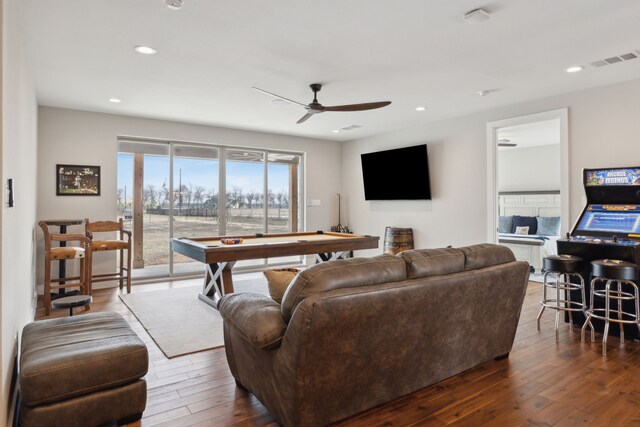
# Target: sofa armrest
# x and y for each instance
(255, 317)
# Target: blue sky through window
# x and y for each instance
(202, 172)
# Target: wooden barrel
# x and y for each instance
(397, 240)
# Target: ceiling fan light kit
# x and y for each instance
(316, 108)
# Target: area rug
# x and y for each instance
(177, 320)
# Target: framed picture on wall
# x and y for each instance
(77, 180)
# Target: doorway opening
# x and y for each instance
(527, 184)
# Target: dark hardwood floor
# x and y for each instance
(542, 383)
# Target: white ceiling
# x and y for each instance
(414, 52)
(531, 134)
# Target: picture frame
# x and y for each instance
(77, 180)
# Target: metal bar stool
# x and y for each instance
(621, 275)
(562, 268)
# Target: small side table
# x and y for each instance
(72, 301)
(62, 270)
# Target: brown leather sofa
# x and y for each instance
(353, 334)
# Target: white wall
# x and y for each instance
(19, 132)
(604, 131)
(529, 168)
(80, 137)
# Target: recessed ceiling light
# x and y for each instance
(174, 4)
(145, 50)
(421, 108)
(575, 69)
(115, 100)
(336, 131)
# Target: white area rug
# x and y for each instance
(535, 277)
(177, 320)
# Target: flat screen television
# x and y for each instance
(400, 174)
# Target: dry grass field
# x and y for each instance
(241, 222)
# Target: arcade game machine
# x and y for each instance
(608, 228)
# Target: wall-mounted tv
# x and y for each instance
(400, 174)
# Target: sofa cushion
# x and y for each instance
(343, 273)
(432, 262)
(74, 356)
(525, 221)
(486, 255)
(255, 317)
(278, 280)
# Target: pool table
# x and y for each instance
(220, 258)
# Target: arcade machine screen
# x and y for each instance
(616, 214)
(606, 220)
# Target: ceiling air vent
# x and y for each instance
(616, 59)
(599, 63)
(351, 127)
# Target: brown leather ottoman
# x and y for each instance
(82, 371)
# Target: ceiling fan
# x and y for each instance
(316, 108)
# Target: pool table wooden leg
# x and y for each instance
(330, 256)
(218, 282)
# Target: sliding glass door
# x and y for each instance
(194, 209)
(245, 179)
(174, 189)
(143, 199)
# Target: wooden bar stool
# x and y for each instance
(562, 267)
(81, 252)
(120, 244)
(618, 278)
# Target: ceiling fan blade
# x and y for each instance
(279, 97)
(358, 107)
(304, 118)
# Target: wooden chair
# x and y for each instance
(120, 244)
(81, 252)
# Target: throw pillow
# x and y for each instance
(525, 221)
(522, 230)
(505, 224)
(549, 225)
(278, 281)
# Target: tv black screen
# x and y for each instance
(400, 174)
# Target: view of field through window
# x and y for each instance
(196, 208)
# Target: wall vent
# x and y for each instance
(616, 59)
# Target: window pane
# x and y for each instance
(124, 193)
(155, 224)
(195, 206)
(245, 196)
(283, 172)
(152, 160)
(245, 188)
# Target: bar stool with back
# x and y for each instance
(119, 244)
(81, 252)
